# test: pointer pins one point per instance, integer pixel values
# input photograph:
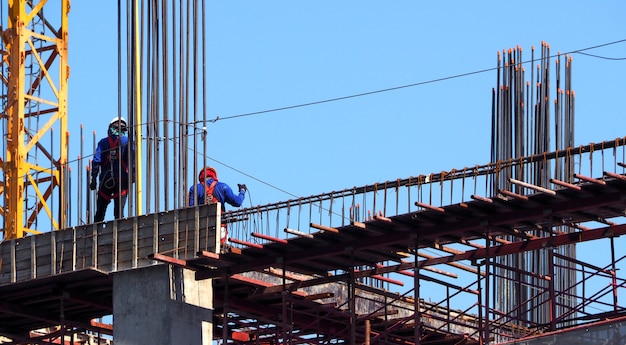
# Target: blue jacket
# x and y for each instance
(222, 192)
(106, 160)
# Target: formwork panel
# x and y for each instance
(63, 245)
(20, 258)
(111, 246)
(83, 247)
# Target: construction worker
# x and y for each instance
(209, 190)
(110, 161)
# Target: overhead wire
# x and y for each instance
(531, 61)
(180, 86)
(545, 57)
(601, 57)
(368, 93)
(194, 124)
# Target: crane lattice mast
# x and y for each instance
(34, 74)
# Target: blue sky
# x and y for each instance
(268, 55)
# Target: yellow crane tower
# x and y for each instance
(34, 114)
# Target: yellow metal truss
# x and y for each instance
(35, 75)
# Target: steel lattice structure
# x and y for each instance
(34, 110)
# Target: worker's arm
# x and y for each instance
(95, 166)
(231, 198)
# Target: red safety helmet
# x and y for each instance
(207, 172)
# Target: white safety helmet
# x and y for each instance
(118, 125)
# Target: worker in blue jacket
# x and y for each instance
(111, 161)
(209, 190)
(208, 184)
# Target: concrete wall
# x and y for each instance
(161, 305)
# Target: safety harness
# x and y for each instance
(112, 155)
(209, 197)
(209, 193)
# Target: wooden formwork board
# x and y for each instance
(111, 246)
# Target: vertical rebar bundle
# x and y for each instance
(523, 122)
(171, 87)
(162, 92)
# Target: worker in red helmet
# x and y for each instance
(209, 190)
(110, 162)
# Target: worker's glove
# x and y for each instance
(242, 187)
(93, 184)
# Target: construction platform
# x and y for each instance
(311, 288)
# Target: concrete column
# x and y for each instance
(161, 304)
